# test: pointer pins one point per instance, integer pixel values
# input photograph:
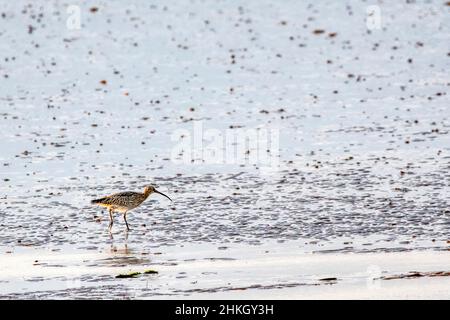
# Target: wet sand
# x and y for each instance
(239, 272)
(361, 175)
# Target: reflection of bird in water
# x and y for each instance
(124, 202)
(124, 250)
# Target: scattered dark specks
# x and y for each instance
(31, 29)
(93, 9)
(318, 31)
(103, 82)
(332, 34)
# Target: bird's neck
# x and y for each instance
(147, 193)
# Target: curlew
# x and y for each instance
(125, 201)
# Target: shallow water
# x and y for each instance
(362, 115)
(240, 271)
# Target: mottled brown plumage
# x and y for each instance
(124, 202)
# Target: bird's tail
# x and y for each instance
(96, 201)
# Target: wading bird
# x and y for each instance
(124, 202)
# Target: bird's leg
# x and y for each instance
(126, 222)
(111, 219)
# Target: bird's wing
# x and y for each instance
(125, 194)
(117, 198)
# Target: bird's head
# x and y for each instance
(151, 189)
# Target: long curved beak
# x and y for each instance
(156, 191)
